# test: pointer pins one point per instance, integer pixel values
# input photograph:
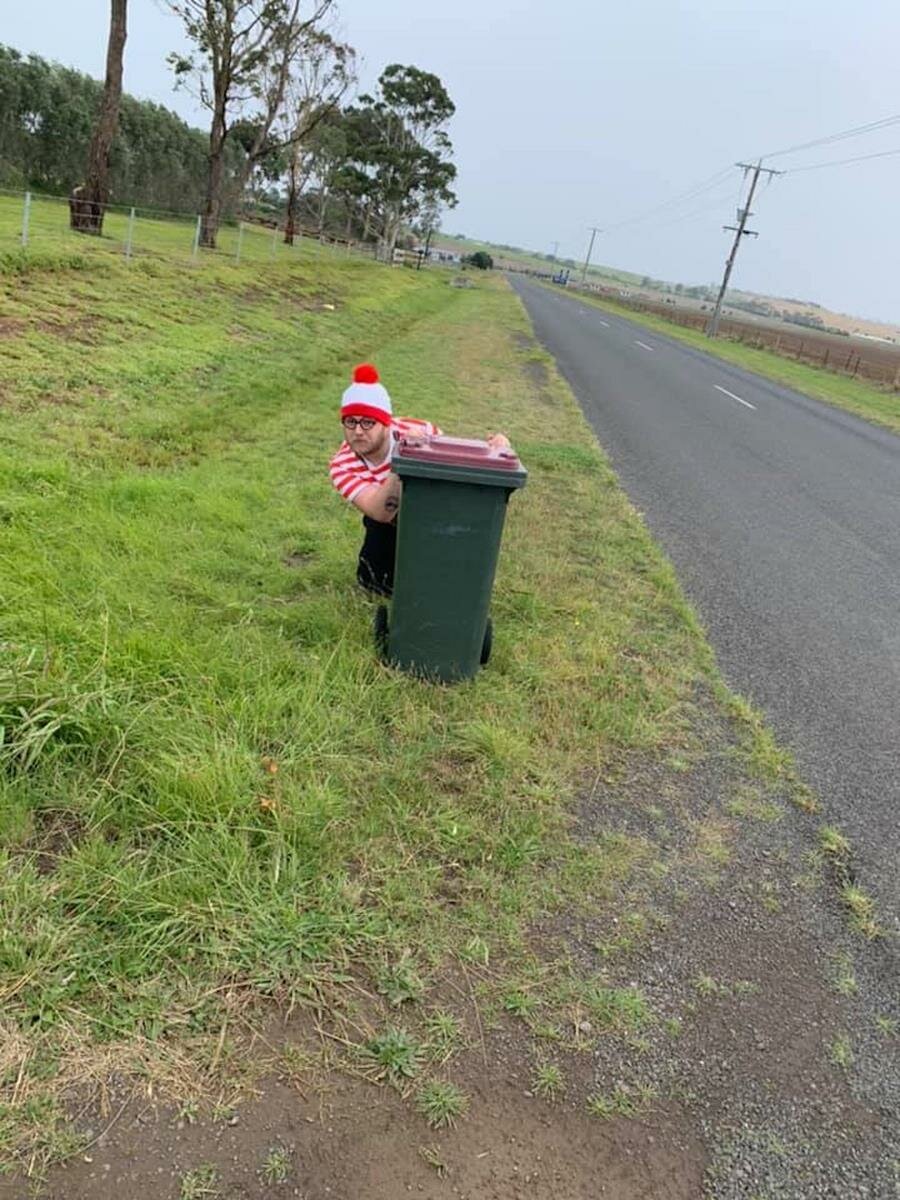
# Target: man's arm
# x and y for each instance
(380, 501)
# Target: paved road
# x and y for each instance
(782, 516)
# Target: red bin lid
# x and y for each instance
(458, 452)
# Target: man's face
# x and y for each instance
(370, 443)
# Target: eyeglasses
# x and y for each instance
(358, 422)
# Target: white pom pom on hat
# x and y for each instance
(366, 396)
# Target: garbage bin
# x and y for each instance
(450, 523)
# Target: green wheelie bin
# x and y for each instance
(455, 493)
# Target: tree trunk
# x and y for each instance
(291, 216)
(209, 226)
(87, 205)
(388, 239)
(324, 197)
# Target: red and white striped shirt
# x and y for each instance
(350, 472)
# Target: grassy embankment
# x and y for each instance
(210, 791)
(864, 399)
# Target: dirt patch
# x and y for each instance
(535, 368)
(12, 326)
(56, 835)
(255, 294)
(86, 329)
(298, 558)
(358, 1141)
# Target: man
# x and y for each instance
(361, 472)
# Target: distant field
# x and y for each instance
(859, 358)
(506, 258)
(872, 401)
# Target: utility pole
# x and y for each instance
(740, 230)
(555, 250)
(594, 232)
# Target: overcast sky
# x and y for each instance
(582, 112)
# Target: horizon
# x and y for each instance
(633, 113)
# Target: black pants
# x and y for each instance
(375, 571)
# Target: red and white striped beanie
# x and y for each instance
(366, 397)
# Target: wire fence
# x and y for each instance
(35, 224)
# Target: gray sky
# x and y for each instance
(581, 112)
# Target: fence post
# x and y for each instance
(240, 242)
(274, 240)
(197, 238)
(897, 380)
(26, 218)
(825, 357)
(348, 247)
(130, 236)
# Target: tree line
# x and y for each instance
(284, 137)
(46, 122)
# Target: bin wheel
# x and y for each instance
(381, 630)
(488, 643)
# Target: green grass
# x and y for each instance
(199, 1183)
(277, 1166)
(394, 1055)
(840, 1051)
(863, 399)
(621, 1009)
(209, 786)
(441, 1103)
(154, 236)
(622, 1101)
(833, 843)
(843, 976)
(837, 851)
(547, 1081)
(400, 982)
(445, 1033)
(519, 1004)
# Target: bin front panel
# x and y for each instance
(448, 542)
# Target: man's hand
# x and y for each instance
(499, 441)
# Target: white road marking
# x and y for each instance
(604, 323)
(726, 392)
(643, 345)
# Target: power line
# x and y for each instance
(750, 170)
(696, 212)
(840, 162)
(857, 131)
(712, 181)
(690, 194)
